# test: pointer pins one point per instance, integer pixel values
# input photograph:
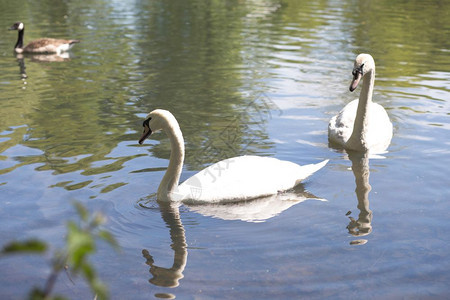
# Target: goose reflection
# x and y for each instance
(53, 57)
(22, 68)
(40, 58)
(169, 277)
(363, 225)
(65, 56)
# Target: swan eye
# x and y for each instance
(146, 123)
(358, 70)
(361, 69)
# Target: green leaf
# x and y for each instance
(36, 294)
(31, 245)
(79, 245)
(100, 289)
(88, 272)
(109, 238)
(94, 282)
(81, 210)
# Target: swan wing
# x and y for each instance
(340, 127)
(243, 178)
(379, 132)
(379, 127)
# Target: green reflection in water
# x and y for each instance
(406, 37)
(210, 63)
(215, 65)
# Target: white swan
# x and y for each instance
(232, 179)
(362, 125)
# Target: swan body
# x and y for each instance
(244, 178)
(232, 179)
(362, 125)
(44, 45)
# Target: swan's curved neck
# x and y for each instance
(357, 140)
(172, 176)
(19, 43)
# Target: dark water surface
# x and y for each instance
(242, 77)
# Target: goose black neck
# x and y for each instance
(19, 43)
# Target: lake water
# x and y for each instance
(242, 77)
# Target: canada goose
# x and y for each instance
(44, 45)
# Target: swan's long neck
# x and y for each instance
(357, 140)
(19, 43)
(172, 176)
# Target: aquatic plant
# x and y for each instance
(73, 258)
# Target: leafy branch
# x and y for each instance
(80, 244)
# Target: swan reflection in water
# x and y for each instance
(257, 210)
(363, 225)
(169, 277)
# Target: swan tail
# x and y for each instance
(311, 169)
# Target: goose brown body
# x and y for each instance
(43, 45)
